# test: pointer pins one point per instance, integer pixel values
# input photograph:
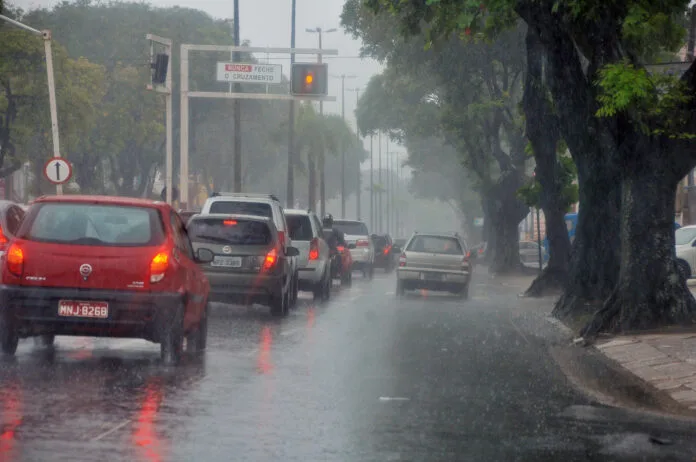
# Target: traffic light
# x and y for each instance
(310, 79)
(159, 74)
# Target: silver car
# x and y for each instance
(313, 261)
(435, 261)
(362, 250)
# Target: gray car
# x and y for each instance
(434, 261)
(314, 260)
(249, 264)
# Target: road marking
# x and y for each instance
(111, 430)
(519, 331)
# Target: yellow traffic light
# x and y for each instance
(309, 78)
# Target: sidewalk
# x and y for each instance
(666, 361)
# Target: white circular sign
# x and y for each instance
(58, 170)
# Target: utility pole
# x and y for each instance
(372, 187)
(690, 57)
(237, 111)
(343, 78)
(290, 193)
(322, 158)
(358, 194)
(379, 180)
(52, 104)
(169, 155)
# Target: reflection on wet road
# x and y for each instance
(367, 377)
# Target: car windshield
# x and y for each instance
(96, 224)
(259, 209)
(300, 227)
(683, 236)
(229, 231)
(353, 228)
(435, 244)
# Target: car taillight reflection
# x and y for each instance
(314, 249)
(264, 364)
(402, 259)
(15, 260)
(11, 397)
(145, 436)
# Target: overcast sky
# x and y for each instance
(267, 23)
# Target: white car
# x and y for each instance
(685, 246)
(260, 205)
(362, 250)
(313, 264)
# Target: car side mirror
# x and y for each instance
(292, 251)
(204, 256)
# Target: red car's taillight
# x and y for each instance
(15, 260)
(3, 240)
(270, 260)
(362, 243)
(402, 259)
(158, 266)
(314, 249)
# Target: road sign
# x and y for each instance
(249, 73)
(57, 170)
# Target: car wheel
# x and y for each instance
(400, 289)
(464, 292)
(318, 289)
(684, 269)
(295, 290)
(279, 305)
(45, 340)
(197, 340)
(327, 288)
(8, 336)
(172, 339)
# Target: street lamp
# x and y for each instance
(322, 176)
(357, 134)
(343, 78)
(53, 106)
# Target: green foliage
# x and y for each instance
(530, 193)
(656, 102)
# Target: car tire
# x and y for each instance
(172, 339)
(295, 291)
(197, 340)
(400, 289)
(45, 340)
(327, 288)
(9, 338)
(347, 279)
(318, 289)
(684, 269)
(464, 292)
(279, 305)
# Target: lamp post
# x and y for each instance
(53, 105)
(322, 173)
(343, 78)
(358, 193)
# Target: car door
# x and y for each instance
(192, 275)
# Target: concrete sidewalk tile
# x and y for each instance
(617, 342)
(677, 370)
(668, 384)
(684, 395)
(662, 361)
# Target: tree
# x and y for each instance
(473, 91)
(596, 53)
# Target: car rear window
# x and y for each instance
(300, 227)
(229, 231)
(258, 209)
(436, 244)
(96, 224)
(354, 228)
(380, 241)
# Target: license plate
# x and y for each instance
(431, 276)
(78, 309)
(227, 262)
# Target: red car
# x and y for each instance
(104, 267)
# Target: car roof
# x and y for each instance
(298, 212)
(112, 200)
(688, 227)
(222, 194)
(232, 215)
(348, 221)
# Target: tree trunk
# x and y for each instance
(506, 212)
(544, 134)
(650, 293)
(312, 182)
(322, 183)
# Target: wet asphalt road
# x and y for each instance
(367, 377)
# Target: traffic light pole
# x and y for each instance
(237, 111)
(187, 94)
(290, 191)
(343, 150)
